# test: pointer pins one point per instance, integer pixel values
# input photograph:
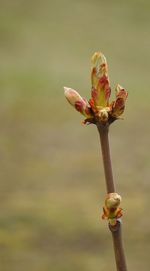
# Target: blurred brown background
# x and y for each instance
(52, 182)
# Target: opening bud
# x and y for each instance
(79, 103)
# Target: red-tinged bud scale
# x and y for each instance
(79, 103)
(100, 82)
(118, 106)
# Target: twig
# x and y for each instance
(115, 229)
(103, 132)
(100, 111)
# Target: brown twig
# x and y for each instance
(116, 229)
(103, 132)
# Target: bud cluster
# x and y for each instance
(98, 108)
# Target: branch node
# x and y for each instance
(116, 227)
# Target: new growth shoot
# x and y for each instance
(102, 112)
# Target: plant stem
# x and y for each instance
(103, 132)
(115, 230)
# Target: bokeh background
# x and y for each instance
(52, 182)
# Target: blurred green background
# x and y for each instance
(52, 183)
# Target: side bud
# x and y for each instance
(80, 104)
(118, 106)
(113, 200)
(111, 210)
